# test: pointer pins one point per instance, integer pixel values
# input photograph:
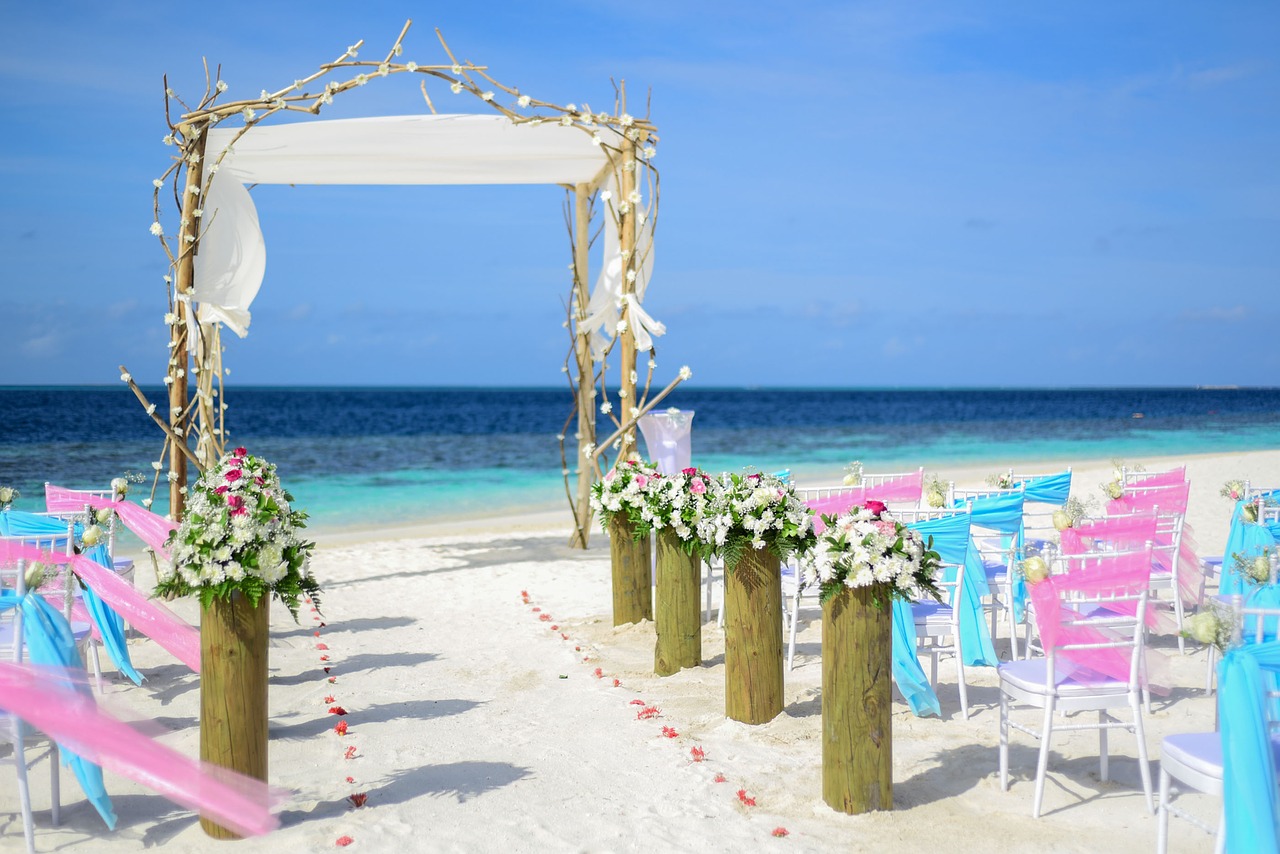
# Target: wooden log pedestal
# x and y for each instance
(632, 573)
(233, 690)
(857, 731)
(753, 638)
(678, 611)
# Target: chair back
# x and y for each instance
(948, 528)
(1110, 533)
(1132, 477)
(1171, 498)
(998, 510)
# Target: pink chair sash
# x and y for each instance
(1120, 532)
(147, 616)
(908, 487)
(833, 505)
(73, 719)
(151, 528)
(1164, 478)
(1170, 499)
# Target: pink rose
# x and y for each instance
(697, 487)
(875, 507)
(886, 527)
(608, 478)
(641, 481)
(689, 472)
(235, 462)
(221, 489)
(233, 475)
(235, 501)
(241, 452)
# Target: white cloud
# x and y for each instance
(1217, 314)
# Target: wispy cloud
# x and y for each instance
(1217, 314)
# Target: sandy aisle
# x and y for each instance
(467, 738)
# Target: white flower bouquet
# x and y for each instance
(240, 533)
(935, 491)
(866, 547)
(679, 502)
(1001, 480)
(1233, 489)
(1214, 625)
(625, 491)
(1256, 569)
(754, 511)
(8, 495)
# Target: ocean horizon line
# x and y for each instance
(700, 388)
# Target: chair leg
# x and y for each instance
(1209, 669)
(791, 643)
(1042, 766)
(1104, 764)
(1144, 767)
(964, 689)
(24, 793)
(55, 783)
(1162, 814)
(1178, 612)
(1004, 741)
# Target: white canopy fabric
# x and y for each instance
(389, 150)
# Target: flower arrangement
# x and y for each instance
(867, 547)
(678, 502)
(1215, 624)
(757, 511)
(935, 491)
(1255, 569)
(240, 533)
(1233, 489)
(8, 495)
(1001, 480)
(625, 490)
(1070, 514)
(1034, 569)
(853, 473)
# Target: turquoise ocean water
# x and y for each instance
(360, 457)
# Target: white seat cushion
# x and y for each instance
(1029, 676)
(1199, 751)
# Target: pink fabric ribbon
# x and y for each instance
(147, 616)
(1169, 499)
(73, 719)
(1119, 532)
(1163, 478)
(151, 528)
(908, 487)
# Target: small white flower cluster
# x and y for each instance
(866, 547)
(757, 511)
(239, 527)
(624, 490)
(679, 502)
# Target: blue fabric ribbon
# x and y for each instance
(1250, 800)
(1049, 488)
(1247, 539)
(1003, 514)
(907, 672)
(49, 642)
(951, 541)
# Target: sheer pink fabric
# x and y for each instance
(151, 528)
(147, 616)
(908, 487)
(1163, 478)
(73, 719)
(832, 505)
(1170, 499)
(1112, 575)
(1119, 532)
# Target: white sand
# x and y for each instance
(478, 728)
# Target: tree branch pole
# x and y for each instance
(150, 407)
(586, 372)
(627, 246)
(184, 285)
(631, 422)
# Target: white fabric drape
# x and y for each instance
(233, 256)
(604, 309)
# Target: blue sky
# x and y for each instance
(853, 193)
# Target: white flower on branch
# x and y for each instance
(595, 139)
(457, 69)
(362, 79)
(151, 410)
(634, 197)
(297, 84)
(157, 464)
(631, 275)
(352, 51)
(606, 407)
(649, 152)
(168, 380)
(326, 98)
(168, 280)
(198, 212)
(170, 318)
(634, 378)
(566, 121)
(173, 476)
(222, 86)
(652, 364)
(190, 238)
(629, 166)
(559, 437)
(125, 377)
(383, 69)
(588, 449)
(169, 139)
(157, 229)
(455, 87)
(626, 120)
(248, 114)
(182, 373)
(157, 183)
(169, 92)
(621, 327)
(487, 96)
(622, 392)
(605, 195)
(634, 411)
(573, 108)
(523, 100)
(146, 502)
(264, 95)
(633, 134)
(193, 189)
(277, 104)
(602, 117)
(331, 86)
(193, 158)
(685, 373)
(411, 66)
(625, 207)
(643, 216)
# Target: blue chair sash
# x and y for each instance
(1248, 539)
(1250, 801)
(1048, 489)
(951, 541)
(907, 672)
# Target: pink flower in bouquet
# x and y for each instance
(689, 472)
(221, 490)
(698, 486)
(886, 527)
(235, 462)
(641, 481)
(235, 502)
(242, 452)
(233, 475)
(608, 478)
(875, 507)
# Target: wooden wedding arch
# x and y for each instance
(217, 255)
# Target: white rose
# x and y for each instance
(91, 535)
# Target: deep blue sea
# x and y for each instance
(400, 455)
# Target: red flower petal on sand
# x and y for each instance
(698, 754)
(746, 799)
(563, 636)
(316, 633)
(780, 831)
(669, 732)
(599, 674)
(524, 593)
(546, 618)
(324, 658)
(341, 728)
(536, 610)
(647, 713)
(617, 683)
(577, 649)
(328, 699)
(351, 779)
(351, 753)
(337, 710)
(719, 778)
(637, 702)
(358, 799)
(332, 679)
(322, 646)
(344, 841)
(326, 670)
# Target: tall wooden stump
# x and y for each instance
(753, 638)
(857, 732)
(233, 690)
(678, 611)
(632, 573)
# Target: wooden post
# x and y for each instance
(857, 730)
(180, 332)
(753, 638)
(677, 611)
(233, 690)
(586, 369)
(631, 559)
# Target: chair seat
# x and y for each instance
(931, 613)
(1028, 676)
(1200, 752)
